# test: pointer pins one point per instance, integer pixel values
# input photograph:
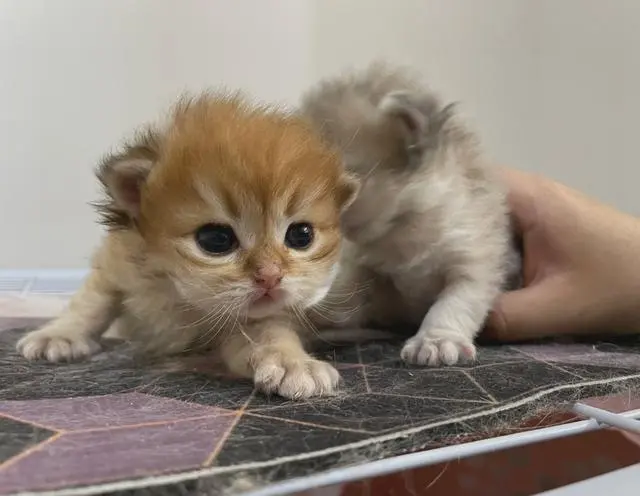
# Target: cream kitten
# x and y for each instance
(223, 226)
(430, 225)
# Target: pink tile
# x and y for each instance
(105, 411)
(81, 458)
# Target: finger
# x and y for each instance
(534, 312)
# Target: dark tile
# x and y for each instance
(426, 382)
(339, 355)
(261, 401)
(623, 344)
(511, 380)
(257, 439)
(106, 373)
(385, 353)
(37, 381)
(373, 412)
(373, 352)
(381, 352)
(222, 392)
(488, 355)
(15, 437)
(353, 381)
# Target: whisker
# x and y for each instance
(300, 313)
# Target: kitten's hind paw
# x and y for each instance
(56, 346)
(294, 378)
(437, 348)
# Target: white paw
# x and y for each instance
(56, 346)
(438, 348)
(294, 378)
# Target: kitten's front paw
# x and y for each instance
(56, 346)
(294, 377)
(436, 348)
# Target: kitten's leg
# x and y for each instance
(272, 354)
(448, 330)
(73, 334)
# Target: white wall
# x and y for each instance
(550, 84)
(77, 75)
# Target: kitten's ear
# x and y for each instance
(416, 117)
(348, 189)
(123, 179)
(123, 176)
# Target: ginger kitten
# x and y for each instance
(223, 226)
(430, 225)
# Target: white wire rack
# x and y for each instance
(65, 282)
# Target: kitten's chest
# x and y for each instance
(419, 288)
(404, 298)
(159, 321)
(412, 242)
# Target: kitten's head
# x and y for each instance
(238, 205)
(389, 129)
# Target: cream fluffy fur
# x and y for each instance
(429, 230)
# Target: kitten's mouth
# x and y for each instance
(265, 298)
(265, 303)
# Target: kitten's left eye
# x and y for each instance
(216, 239)
(299, 236)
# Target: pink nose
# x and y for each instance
(268, 277)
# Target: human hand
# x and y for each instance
(580, 269)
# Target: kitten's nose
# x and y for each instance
(268, 276)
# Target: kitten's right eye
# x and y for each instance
(216, 239)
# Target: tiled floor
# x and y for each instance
(383, 396)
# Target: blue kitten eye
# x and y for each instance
(299, 236)
(216, 239)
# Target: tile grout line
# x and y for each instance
(24, 454)
(316, 400)
(436, 398)
(215, 410)
(363, 368)
(238, 415)
(55, 430)
(552, 365)
(472, 379)
(148, 424)
(310, 424)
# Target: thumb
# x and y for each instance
(533, 312)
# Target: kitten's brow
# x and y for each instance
(213, 199)
(297, 199)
